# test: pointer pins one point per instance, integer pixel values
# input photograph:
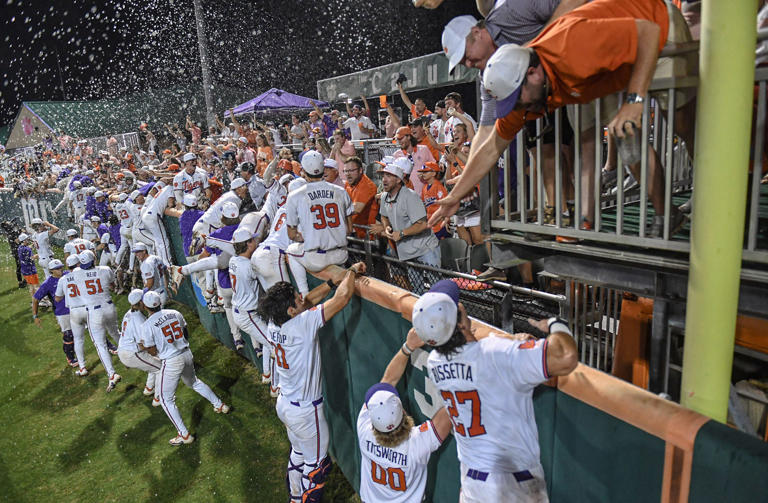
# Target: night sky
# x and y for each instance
(109, 49)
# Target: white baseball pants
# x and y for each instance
(504, 486)
(101, 319)
(43, 262)
(269, 264)
(251, 324)
(64, 322)
(78, 317)
(153, 226)
(145, 362)
(300, 262)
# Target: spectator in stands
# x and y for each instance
(244, 152)
(417, 154)
(420, 129)
(194, 130)
(456, 115)
(437, 126)
(297, 131)
(691, 10)
(360, 126)
(366, 108)
(330, 120)
(331, 173)
(417, 108)
(315, 124)
(342, 149)
(362, 192)
(264, 153)
(432, 191)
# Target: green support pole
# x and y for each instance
(724, 114)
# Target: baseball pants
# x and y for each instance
(43, 262)
(225, 298)
(78, 317)
(308, 434)
(203, 228)
(67, 340)
(251, 324)
(153, 225)
(126, 243)
(528, 485)
(300, 262)
(106, 258)
(146, 362)
(181, 366)
(100, 321)
(269, 264)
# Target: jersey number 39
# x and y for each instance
(326, 216)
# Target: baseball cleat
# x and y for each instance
(221, 409)
(274, 392)
(148, 391)
(113, 382)
(81, 372)
(179, 440)
(155, 402)
(266, 379)
(239, 344)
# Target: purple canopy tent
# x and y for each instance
(275, 100)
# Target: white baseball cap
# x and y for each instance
(77, 184)
(98, 193)
(243, 139)
(387, 159)
(392, 169)
(296, 184)
(237, 183)
(330, 163)
(55, 264)
(384, 407)
(434, 314)
(37, 221)
(90, 190)
(72, 260)
(189, 156)
(454, 39)
(122, 197)
(135, 296)
(189, 200)
(86, 256)
(241, 235)
(95, 218)
(312, 163)
(23, 236)
(151, 299)
(230, 210)
(71, 232)
(286, 178)
(139, 247)
(134, 195)
(405, 165)
(504, 75)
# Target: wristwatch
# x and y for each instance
(633, 98)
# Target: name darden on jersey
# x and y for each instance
(452, 370)
(320, 194)
(390, 455)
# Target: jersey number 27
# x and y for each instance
(476, 427)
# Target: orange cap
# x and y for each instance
(174, 167)
(285, 164)
(402, 131)
(430, 166)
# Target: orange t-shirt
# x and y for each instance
(435, 153)
(217, 188)
(589, 53)
(416, 114)
(263, 156)
(363, 192)
(430, 194)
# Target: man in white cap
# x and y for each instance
(48, 290)
(91, 229)
(129, 352)
(244, 152)
(77, 200)
(152, 220)
(318, 218)
(293, 330)
(331, 172)
(411, 157)
(67, 290)
(487, 385)
(126, 214)
(211, 219)
(154, 272)
(191, 180)
(42, 237)
(164, 335)
(74, 244)
(404, 221)
(394, 451)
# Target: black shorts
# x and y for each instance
(548, 138)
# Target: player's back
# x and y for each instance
(77, 245)
(320, 210)
(487, 387)
(278, 233)
(152, 267)
(43, 243)
(245, 284)
(394, 474)
(130, 331)
(165, 330)
(297, 355)
(68, 288)
(160, 202)
(78, 198)
(95, 285)
(125, 214)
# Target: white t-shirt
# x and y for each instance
(495, 377)
(394, 474)
(320, 210)
(77, 245)
(130, 331)
(67, 288)
(184, 183)
(245, 284)
(153, 267)
(165, 330)
(94, 285)
(297, 355)
(353, 124)
(451, 123)
(43, 244)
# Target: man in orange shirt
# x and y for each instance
(598, 49)
(424, 137)
(362, 192)
(432, 191)
(417, 108)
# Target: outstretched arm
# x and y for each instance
(344, 292)
(399, 362)
(404, 96)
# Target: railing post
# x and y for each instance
(724, 112)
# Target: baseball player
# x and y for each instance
(191, 180)
(487, 385)
(129, 352)
(41, 237)
(48, 289)
(152, 220)
(187, 221)
(27, 262)
(126, 214)
(164, 335)
(154, 272)
(75, 245)
(66, 289)
(211, 219)
(77, 200)
(322, 211)
(91, 229)
(245, 299)
(394, 452)
(269, 258)
(106, 245)
(293, 326)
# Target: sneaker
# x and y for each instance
(492, 274)
(266, 379)
(179, 440)
(215, 308)
(548, 215)
(113, 382)
(676, 221)
(567, 240)
(607, 179)
(274, 392)
(148, 391)
(156, 402)
(73, 363)
(239, 344)
(687, 206)
(221, 409)
(176, 276)
(112, 351)
(81, 372)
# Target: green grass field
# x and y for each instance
(63, 438)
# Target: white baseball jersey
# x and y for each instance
(184, 183)
(487, 388)
(153, 267)
(212, 215)
(89, 232)
(67, 288)
(77, 245)
(78, 198)
(297, 355)
(245, 284)
(278, 233)
(130, 331)
(94, 285)
(106, 239)
(165, 330)
(320, 210)
(257, 190)
(43, 243)
(160, 201)
(394, 474)
(275, 200)
(126, 213)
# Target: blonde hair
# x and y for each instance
(396, 436)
